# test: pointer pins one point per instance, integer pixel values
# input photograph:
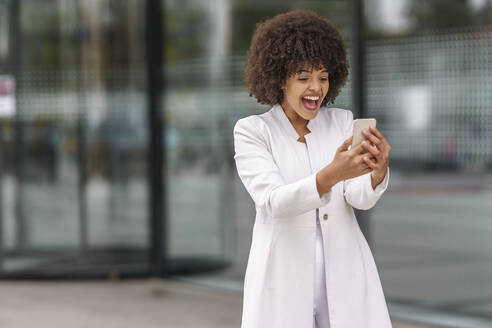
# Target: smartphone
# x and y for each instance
(359, 125)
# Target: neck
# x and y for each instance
(295, 119)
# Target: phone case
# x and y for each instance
(359, 125)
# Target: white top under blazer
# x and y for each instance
(320, 305)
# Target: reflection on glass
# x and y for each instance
(431, 231)
(74, 156)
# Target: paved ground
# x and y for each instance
(119, 304)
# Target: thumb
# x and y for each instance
(346, 144)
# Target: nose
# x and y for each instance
(315, 86)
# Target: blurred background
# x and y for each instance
(78, 109)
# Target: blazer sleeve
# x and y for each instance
(260, 175)
(358, 191)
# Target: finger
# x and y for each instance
(372, 149)
(371, 163)
(377, 133)
(346, 144)
(357, 149)
(375, 140)
(359, 159)
(373, 160)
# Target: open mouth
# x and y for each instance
(311, 102)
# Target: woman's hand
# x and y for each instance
(350, 163)
(345, 165)
(380, 151)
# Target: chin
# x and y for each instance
(309, 115)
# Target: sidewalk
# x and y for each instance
(144, 303)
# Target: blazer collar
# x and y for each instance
(288, 127)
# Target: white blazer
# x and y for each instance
(279, 278)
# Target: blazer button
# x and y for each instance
(325, 216)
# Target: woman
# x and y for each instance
(309, 262)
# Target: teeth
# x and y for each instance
(311, 97)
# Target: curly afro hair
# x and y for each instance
(285, 43)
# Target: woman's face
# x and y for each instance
(304, 92)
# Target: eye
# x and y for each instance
(324, 79)
(303, 79)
